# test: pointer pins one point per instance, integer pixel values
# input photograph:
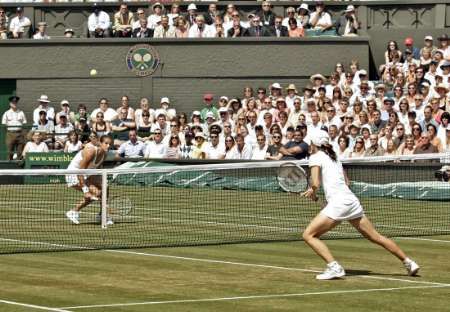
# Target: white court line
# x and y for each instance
(425, 239)
(43, 243)
(33, 306)
(267, 266)
(333, 292)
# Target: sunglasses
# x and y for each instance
(276, 137)
(228, 140)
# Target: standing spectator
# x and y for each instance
(320, 19)
(14, 119)
(20, 25)
(278, 29)
(109, 113)
(73, 144)
(42, 31)
(165, 30)
(43, 106)
(35, 145)
(347, 24)
(142, 31)
(62, 130)
(123, 21)
(375, 149)
(295, 149)
(46, 128)
(209, 107)
(156, 17)
(303, 16)
(99, 23)
(155, 148)
(200, 29)
(256, 30)
(121, 126)
(3, 24)
(132, 148)
(266, 15)
(295, 31)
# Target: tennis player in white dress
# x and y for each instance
(91, 157)
(342, 205)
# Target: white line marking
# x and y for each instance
(34, 306)
(266, 266)
(424, 239)
(334, 292)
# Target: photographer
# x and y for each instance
(347, 24)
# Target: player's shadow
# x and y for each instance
(370, 273)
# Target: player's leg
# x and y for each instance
(95, 188)
(366, 228)
(319, 226)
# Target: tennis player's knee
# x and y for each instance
(308, 235)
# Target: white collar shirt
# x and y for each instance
(101, 21)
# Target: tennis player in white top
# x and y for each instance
(91, 157)
(342, 205)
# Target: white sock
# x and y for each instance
(407, 260)
(333, 264)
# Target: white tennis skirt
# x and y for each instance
(72, 180)
(343, 209)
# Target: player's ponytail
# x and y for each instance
(328, 149)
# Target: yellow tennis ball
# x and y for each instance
(93, 72)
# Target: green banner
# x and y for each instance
(51, 160)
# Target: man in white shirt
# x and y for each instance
(332, 118)
(260, 150)
(43, 106)
(164, 30)
(214, 149)
(156, 17)
(14, 119)
(61, 131)
(42, 31)
(161, 124)
(200, 29)
(140, 16)
(19, 24)
(155, 148)
(241, 150)
(109, 113)
(320, 19)
(99, 23)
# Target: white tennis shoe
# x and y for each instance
(98, 219)
(411, 267)
(334, 270)
(73, 216)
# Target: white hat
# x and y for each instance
(64, 102)
(223, 97)
(210, 115)
(303, 6)
(275, 85)
(192, 6)
(317, 76)
(320, 138)
(363, 72)
(44, 99)
(429, 38)
(223, 110)
(196, 113)
(350, 8)
(200, 135)
(165, 100)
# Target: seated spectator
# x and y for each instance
(303, 16)
(35, 145)
(144, 105)
(214, 149)
(42, 31)
(200, 30)
(62, 130)
(236, 29)
(161, 124)
(69, 33)
(409, 147)
(320, 19)
(182, 29)
(83, 129)
(73, 144)
(156, 17)
(377, 124)
(165, 30)
(358, 149)
(391, 148)
(187, 148)
(81, 113)
(256, 30)
(444, 46)
(121, 126)
(125, 105)
(46, 128)
(132, 148)
(3, 24)
(260, 150)
(65, 108)
(199, 146)
(273, 149)
(165, 109)
(409, 44)
(123, 21)
(229, 147)
(99, 23)
(218, 28)
(211, 14)
(266, 14)
(140, 12)
(241, 150)
(173, 150)
(144, 126)
(20, 25)
(424, 145)
(108, 113)
(155, 147)
(44, 106)
(174, 14)
(100, 126)
(347, 24)
(295, 31)
(142, 31)
(434, 139)
(192, 14)
(228, 14)
(278, 29)
(290, 13)
(343, 147)
(296, 148)
(375, 149)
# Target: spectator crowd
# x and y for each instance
(192, 23)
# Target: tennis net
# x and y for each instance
(209, 204)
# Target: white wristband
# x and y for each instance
(85, 189)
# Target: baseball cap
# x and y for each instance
(208, 96)
(165, 100)
(320, 138)
(428, 38)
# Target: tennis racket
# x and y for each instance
(120, 205)
(292, 178)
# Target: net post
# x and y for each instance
(104, 198)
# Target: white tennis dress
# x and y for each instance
(72, 179)
(342, 204)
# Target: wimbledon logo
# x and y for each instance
(142, 59)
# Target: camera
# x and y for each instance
(442, 174)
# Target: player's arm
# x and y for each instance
(347, 181)
(314, 184)
(88, 155)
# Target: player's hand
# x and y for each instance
(310, 193)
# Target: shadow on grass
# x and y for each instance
(370, 273)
